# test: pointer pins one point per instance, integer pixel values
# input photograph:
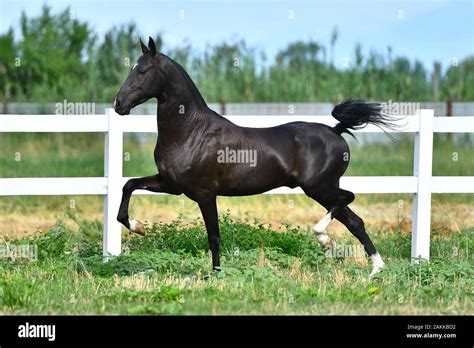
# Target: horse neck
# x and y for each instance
(181, 108)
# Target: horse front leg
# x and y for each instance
(154, 183)
(208, 208)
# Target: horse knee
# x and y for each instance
(129, 186)
(345, 198)
(350, 198)
(331, 199)
(123, 219)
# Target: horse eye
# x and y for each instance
(141, 71)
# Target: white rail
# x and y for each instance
(421, 184)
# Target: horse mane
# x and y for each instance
(187, 79)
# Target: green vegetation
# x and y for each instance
(265, 271)
(82, 67)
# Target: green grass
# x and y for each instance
(265, 271)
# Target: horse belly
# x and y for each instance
(250, 181)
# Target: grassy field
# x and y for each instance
(265, 271)
(271, 262)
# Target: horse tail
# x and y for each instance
(357, 114)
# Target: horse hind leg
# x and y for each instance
(333, 200)
(322, 184)
(356, 226)
(336, 202)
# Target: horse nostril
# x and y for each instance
(116, 103)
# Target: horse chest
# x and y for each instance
(170, 164)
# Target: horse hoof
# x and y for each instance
(328, 246)
(137, 227)
(324, 240)
(375, 270)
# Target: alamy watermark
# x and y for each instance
(28, 330)
(19, 252)
(344, 250)
(400, 109)
(228, 155)
(70, 108)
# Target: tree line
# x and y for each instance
(60, 57)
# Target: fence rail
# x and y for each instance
(422, 184)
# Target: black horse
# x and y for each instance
(203, 155)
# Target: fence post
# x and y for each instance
(422, 169)
(113, 153)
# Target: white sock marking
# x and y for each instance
(377, 263)
(320, 230)
(321, 226)
(322, 238)
(133, 225)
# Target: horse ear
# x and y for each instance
(145, 49)
(151, 45)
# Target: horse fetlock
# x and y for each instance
(320, 231)
(137, 227)
(377, 264)
(324, 240)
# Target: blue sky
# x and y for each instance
(436, 30)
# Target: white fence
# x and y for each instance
(421, 184)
